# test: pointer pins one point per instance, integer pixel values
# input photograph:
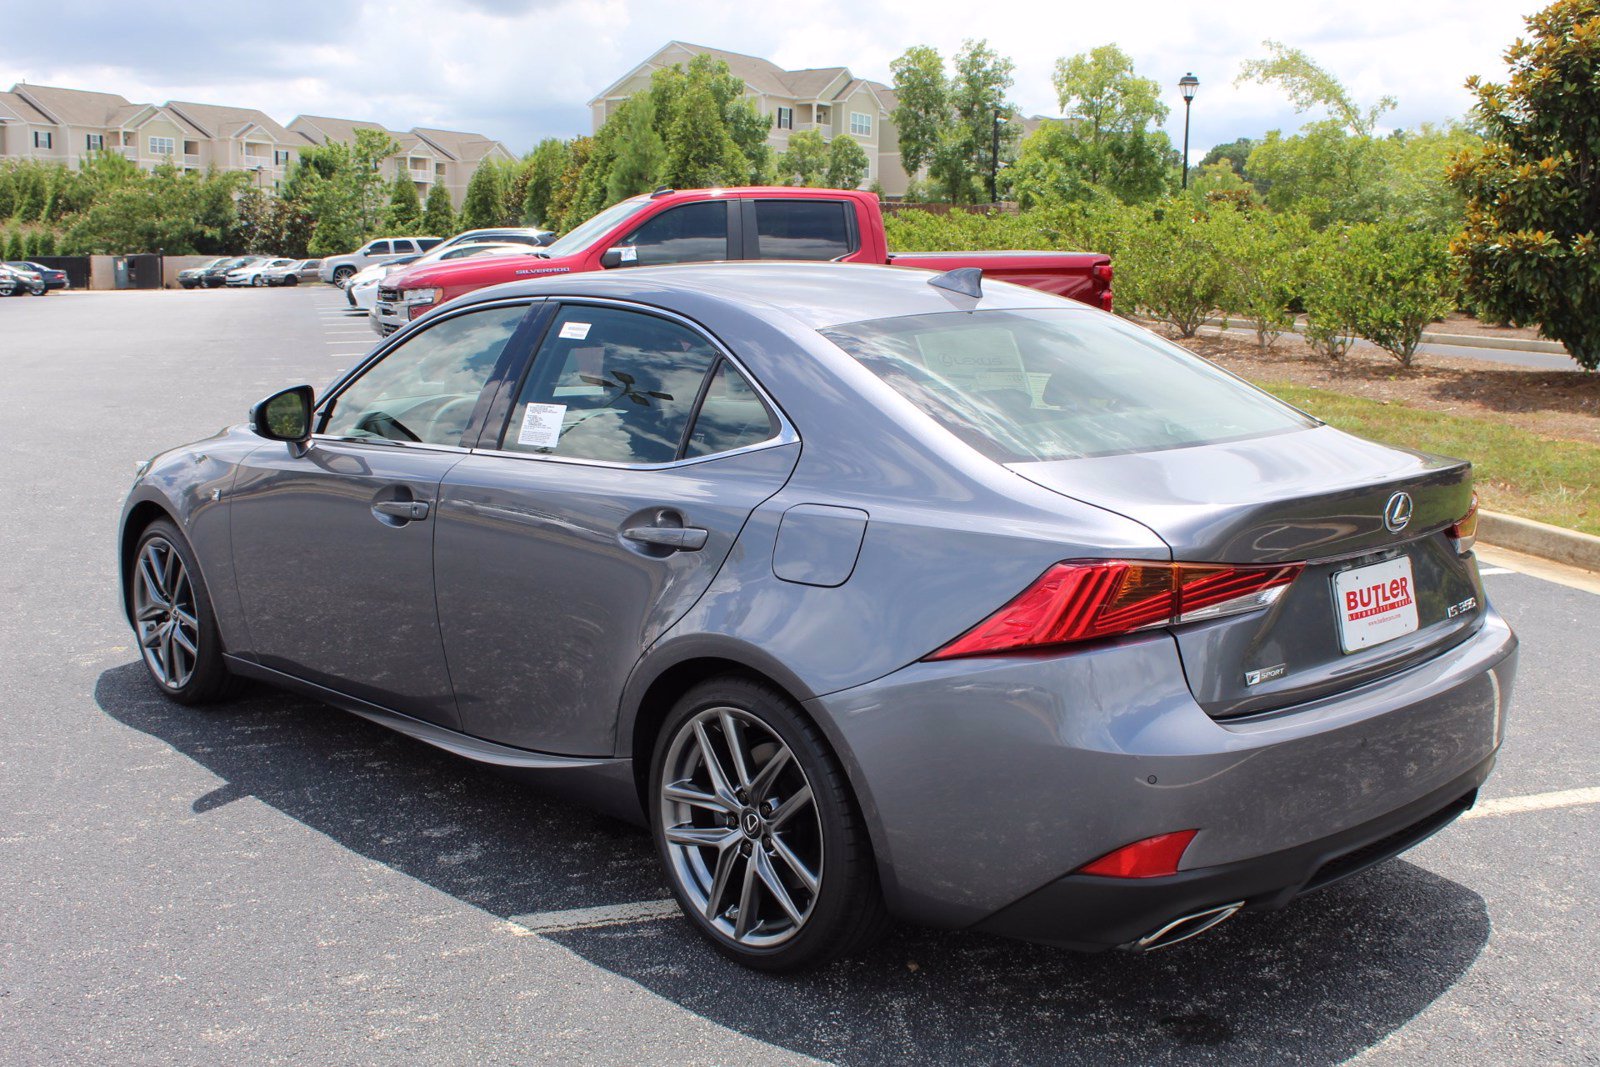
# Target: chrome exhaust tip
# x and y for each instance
(1182, 929)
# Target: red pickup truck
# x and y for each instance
(700, 225)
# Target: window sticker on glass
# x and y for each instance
(980, 359)
(541, 424)
(575, 331)
(630, 254)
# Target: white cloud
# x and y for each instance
(522, 69)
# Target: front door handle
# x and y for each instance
(684, 538)
(404, 510)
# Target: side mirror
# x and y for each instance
(285, 416)
(618, 256)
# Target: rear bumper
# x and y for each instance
(1088, 913)
(985, 782)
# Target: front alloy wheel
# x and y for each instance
(758, 830)
(172, 617)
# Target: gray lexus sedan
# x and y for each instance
(872, 592)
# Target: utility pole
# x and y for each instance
(994, 159)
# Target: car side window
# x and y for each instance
(689, 233)
(424, 391)
(802, 229)
(404, 248)
(732, 415)
(378, 248)
(612, 385)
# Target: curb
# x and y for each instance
(1540, 539)
(1456, 340)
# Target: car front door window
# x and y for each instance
(424, 391)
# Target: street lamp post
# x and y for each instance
(994, 159)
(1187, 86)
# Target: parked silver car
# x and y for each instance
(872, 592)
(293, 272)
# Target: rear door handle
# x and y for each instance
(404, 510)
(685, 538)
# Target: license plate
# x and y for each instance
(1375, 604)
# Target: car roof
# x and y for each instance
(818, 295)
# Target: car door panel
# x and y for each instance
(546, 606)
(338, 591)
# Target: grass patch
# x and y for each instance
(1516, 471)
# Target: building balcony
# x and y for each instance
(191, 160)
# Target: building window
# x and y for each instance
(42, 139)
(786, 118)
(162, 146)
(280, 157)
(860, 125)
(94, 142)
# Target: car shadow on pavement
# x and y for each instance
(1330, 976)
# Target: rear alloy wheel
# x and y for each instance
(257, 280)
(172, 616)
(341, 275)
(758, 831)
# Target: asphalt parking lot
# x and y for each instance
(272, 880)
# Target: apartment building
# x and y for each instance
(831, 100)
(66, 125)
(428, 157)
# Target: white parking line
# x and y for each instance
(545, 922)
(1565, 798)
(1496, 570)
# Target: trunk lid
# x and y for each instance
(1318, 497)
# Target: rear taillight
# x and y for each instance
(1463, 533)
(1151, 858)
(1102, 273)
(1103, 598)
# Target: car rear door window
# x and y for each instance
(425, 390)
(732, 415)
(612, 385)
(689, 233)
(802, 229)
(404, 248)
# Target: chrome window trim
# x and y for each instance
(386, 443)
(786, 435)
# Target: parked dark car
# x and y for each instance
(189, 277)
(871, 591)
(52, 278)
(215, 275)
(12, 282)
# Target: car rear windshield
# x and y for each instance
(1055, 383)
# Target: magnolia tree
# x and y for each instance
(1528, 253)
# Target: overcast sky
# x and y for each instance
(519, 70)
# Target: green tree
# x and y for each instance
(1406, 283)
(481, 206)
(977, 97)
(1234, 153)
(806, 161)
(922, 116)
(701, 151)
(564, 194)
(641, 156)
(47, 243)
(405, 206)
(1110, 114)
(707, 125)
(439, 217)
(181, 214)
(1171, 266)
(1528, 251)
(1307, 85)
(545, 166)
(15, 249)
(847, 163)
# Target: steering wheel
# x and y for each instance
(459, 407)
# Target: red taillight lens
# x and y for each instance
(1464, 531)
(1151, 858)
(1102, 271)
(1082, 601)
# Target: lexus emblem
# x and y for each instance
(1397, 512)
(752, 824)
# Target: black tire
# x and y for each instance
(257, 281)
(209, 679)
(291, 279)
(848, 912)
(37, 290)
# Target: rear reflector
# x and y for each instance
(1463, 532)
(1086, 600)
(1153, 857)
